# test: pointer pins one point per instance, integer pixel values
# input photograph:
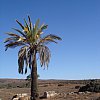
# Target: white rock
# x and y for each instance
(24, 98)
(15, 98)
(81, 92)
(49, 94)
(87, 92)
(70, 93)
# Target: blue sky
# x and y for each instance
(77, 22)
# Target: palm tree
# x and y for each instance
(32, 44)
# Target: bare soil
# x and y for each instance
(66, 89)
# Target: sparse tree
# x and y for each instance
(32, 44)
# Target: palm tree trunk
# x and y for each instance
(34, 84)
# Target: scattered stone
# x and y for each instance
(15, 99)
(70, 93)
(81, 92)
(23, 96)
(87, 92)
(49, 94)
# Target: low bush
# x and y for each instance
(91, 87)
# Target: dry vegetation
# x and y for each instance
(68, 90)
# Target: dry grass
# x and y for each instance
(61, 87)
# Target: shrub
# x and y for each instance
(91, 87)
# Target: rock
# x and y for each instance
(87, 92)
(81, 92)
(49, 94)
(15, 99)
(22, 96)
(70, 93)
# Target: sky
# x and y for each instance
(77, 22)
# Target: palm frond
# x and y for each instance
(55, 37)
(44, 55)
(21, 65)
(43, 26)
(19, 31)
(49, 38)
(26, 24)
(12, 34)
(22, 57)
(30, 23)
(24, 53)
(37, 24)
(13, 45)
(13, 39)
(20, 24)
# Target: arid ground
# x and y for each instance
(66, 89)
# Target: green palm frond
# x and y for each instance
(43, 26)
(37, 24)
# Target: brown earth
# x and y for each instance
(66, 89)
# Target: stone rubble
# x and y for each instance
(47, 95)
(23, 96)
